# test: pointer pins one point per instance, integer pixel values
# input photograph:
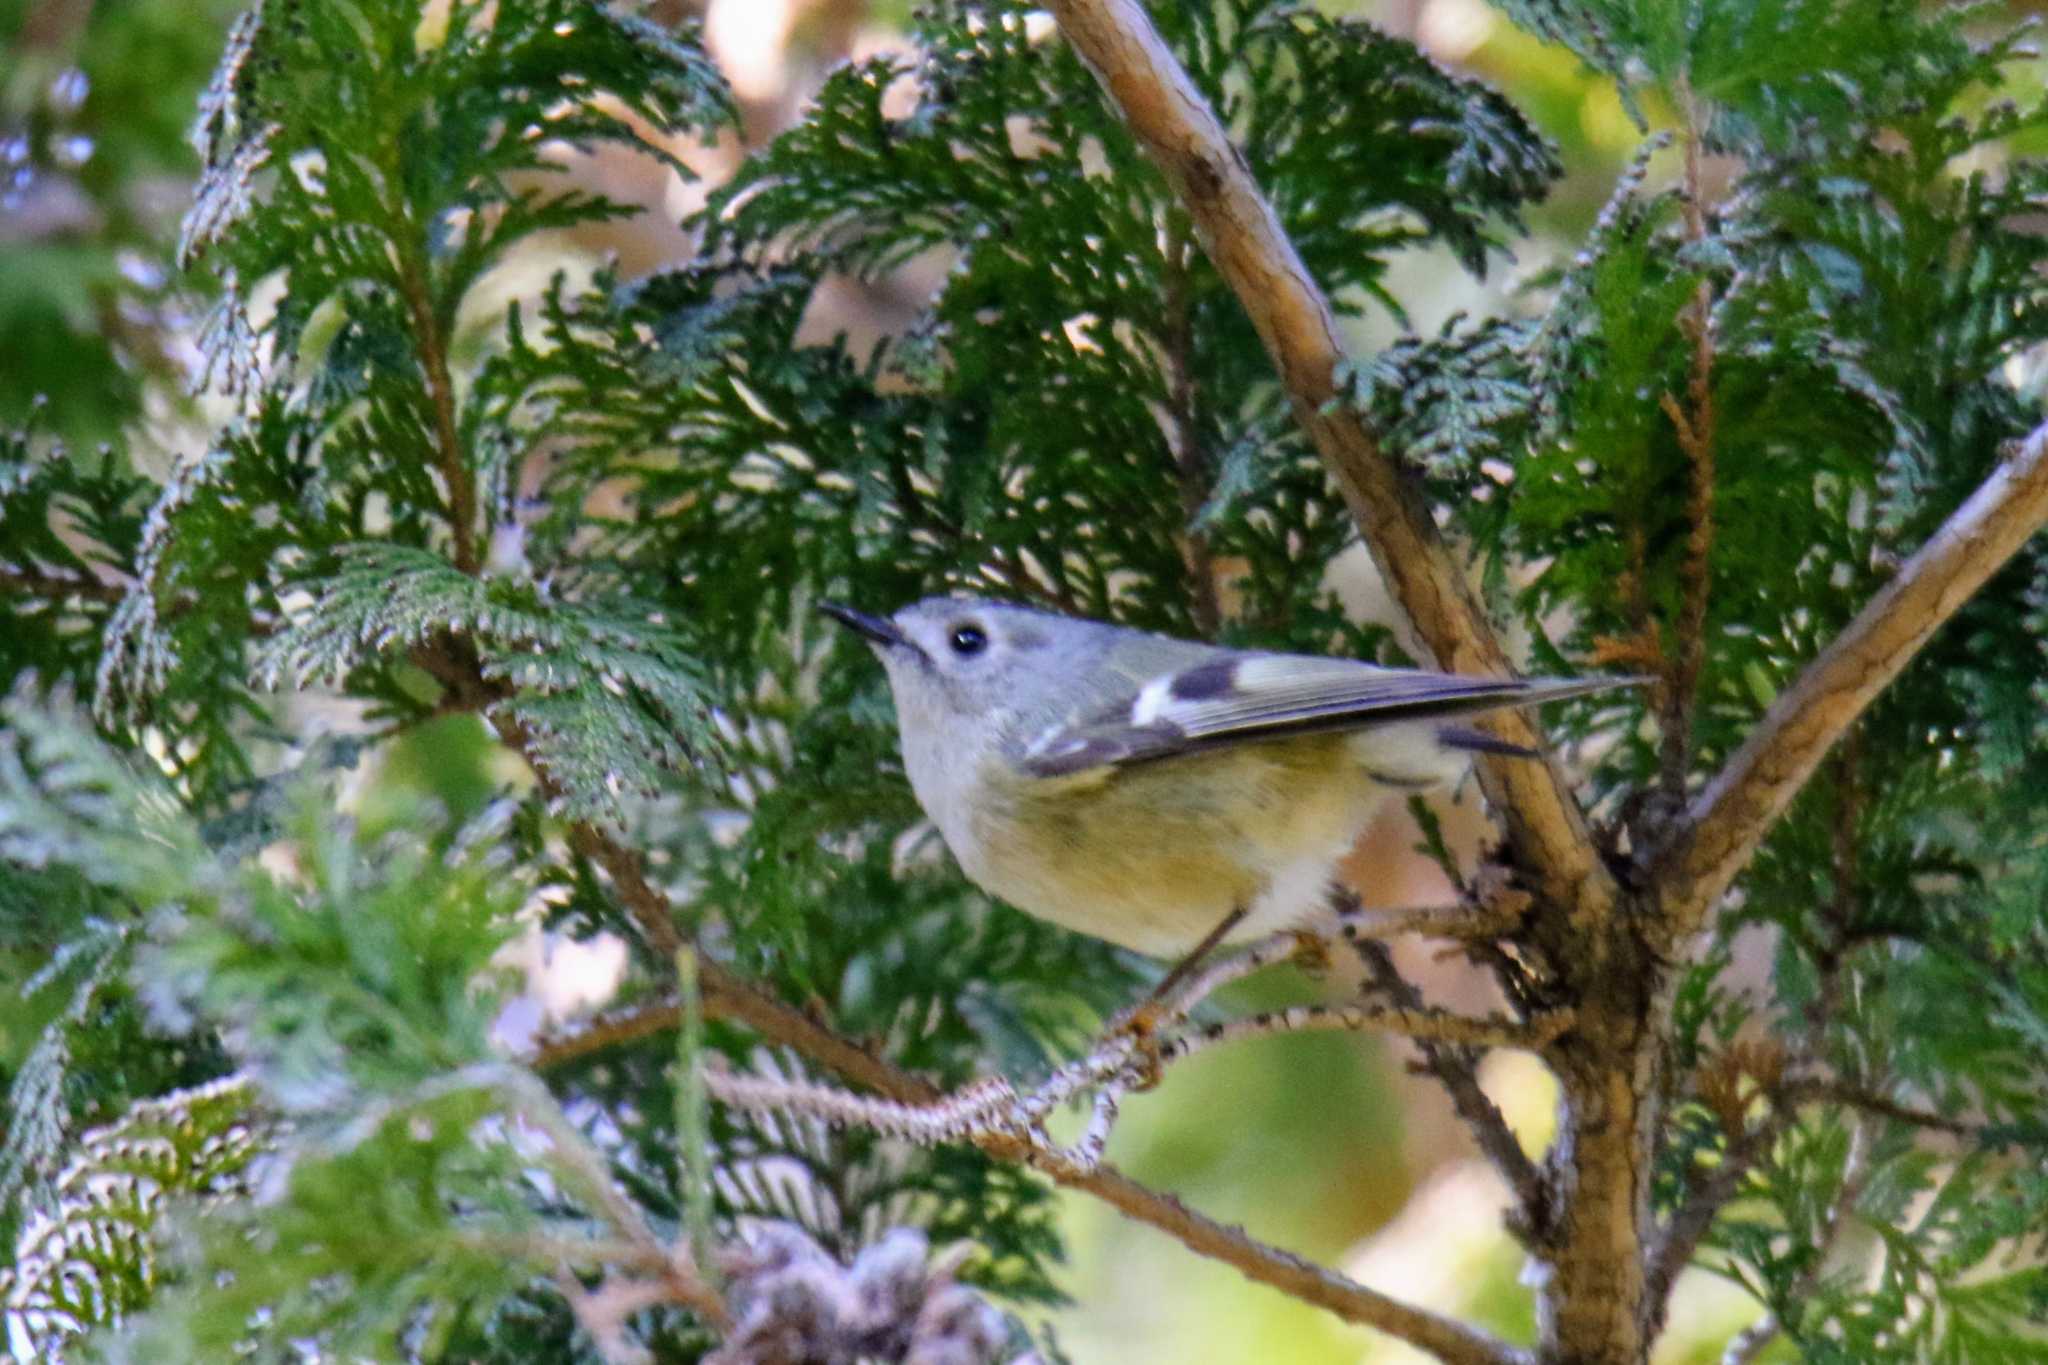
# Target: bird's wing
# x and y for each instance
(1243, 698)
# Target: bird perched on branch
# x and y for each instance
(1147, 790)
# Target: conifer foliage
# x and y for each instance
(277, 1107)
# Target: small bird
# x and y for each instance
(1145, 789)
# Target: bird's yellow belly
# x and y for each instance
(1154, 857)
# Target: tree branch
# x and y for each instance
(1449, 1340)
(1176, 347)
(453, 664)
(1730, 818)
(1869, 1102)
(729, 996)
(1695, 423)
(1243, 236)
(433, 347)
(1423, 1025)
(1457, 1070)
(609, 1030)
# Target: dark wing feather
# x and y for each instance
(1246, 698)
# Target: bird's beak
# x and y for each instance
(874, 629)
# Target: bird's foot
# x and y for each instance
(1142, 1029)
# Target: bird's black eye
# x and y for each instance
(968, 640)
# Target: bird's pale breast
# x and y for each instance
(1154, 856)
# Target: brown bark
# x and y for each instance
(1593, 1306)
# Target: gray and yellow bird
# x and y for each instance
(1142, 788)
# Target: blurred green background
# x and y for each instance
(1322, 1144)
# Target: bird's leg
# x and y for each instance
(1185, 968)
(1141, 1024)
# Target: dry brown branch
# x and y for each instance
(1464, 922)
(1446, 1338)
(1242, 235)
(1695, 424)
(1727, 821)
(608, 1030)
(453, 664)
(1863, 1100)
(729, 996)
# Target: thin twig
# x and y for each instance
(453, 663)
(1846, 1094)
(1449, 1340)
(1181, 1001)
(1728, 820)
(602, 1032)
(1456, 1068)
(1696, 434)
(1465, 922)
(1437, 1026)
(1176, 346)
(433, 353)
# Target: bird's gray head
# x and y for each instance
(967, 668)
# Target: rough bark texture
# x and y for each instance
(1593, 1305)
